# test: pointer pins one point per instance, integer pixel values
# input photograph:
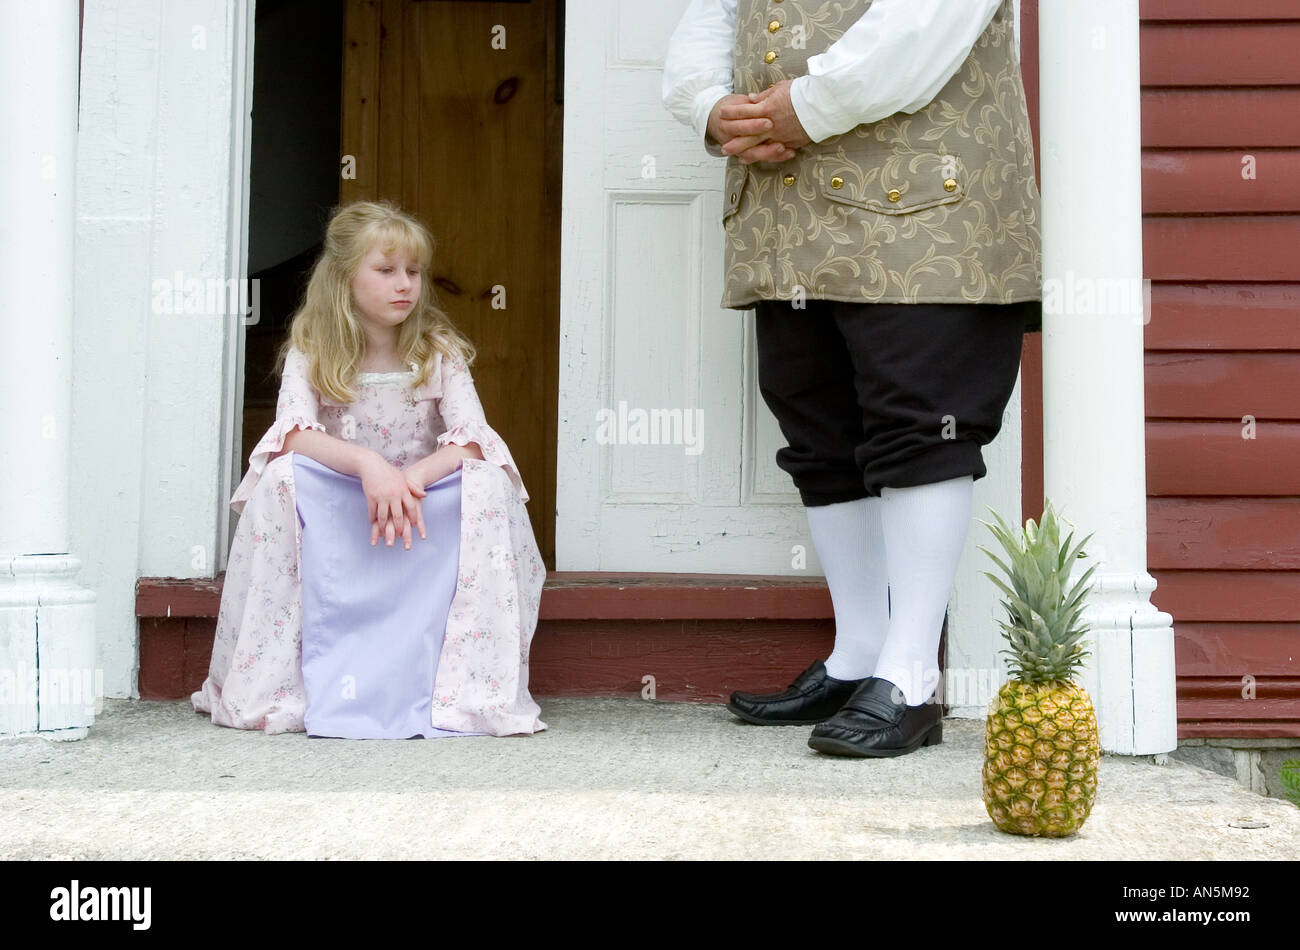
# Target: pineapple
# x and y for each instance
(1040, 743)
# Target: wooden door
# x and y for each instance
(451, 109)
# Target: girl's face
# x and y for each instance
(386, 288)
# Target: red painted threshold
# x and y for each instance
(576, 595)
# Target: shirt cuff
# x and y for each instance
(701, 108)
(818, 123)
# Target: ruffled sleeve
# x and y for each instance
(298, 407)
(462, 413)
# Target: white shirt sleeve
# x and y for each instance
(896, 58)
(698, 64)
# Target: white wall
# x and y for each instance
(153, 185)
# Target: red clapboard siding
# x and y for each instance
(1271, 713)
(1223, 385)
(1224, 317)
(1184, 182)
(1221, 118)
(1211, 458)
(1221, 649)
(1200, 727)
(1217, 10)
(1244, 534)
(1221, 229)
(1242, 596)
(1221, 54)
(1221, 247)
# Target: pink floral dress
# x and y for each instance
(255, 677)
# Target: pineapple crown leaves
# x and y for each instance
(1044, 634)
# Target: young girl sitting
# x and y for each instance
(378, 434)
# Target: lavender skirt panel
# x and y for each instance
(373, 618)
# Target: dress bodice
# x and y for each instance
(387, 416)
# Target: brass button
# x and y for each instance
(733, 197)
(788, 179)
(771, 55)
(895, 194)
(950, 184)
(837, 182)
(773, 26)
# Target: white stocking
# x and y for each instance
(925, 527)
(851, 548)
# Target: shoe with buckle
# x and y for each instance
(811, 698)
(873, 724)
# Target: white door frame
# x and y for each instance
(244, 20)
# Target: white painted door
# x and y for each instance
(666, 448)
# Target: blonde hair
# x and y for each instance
(325, 328)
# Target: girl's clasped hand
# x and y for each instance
(393, 500)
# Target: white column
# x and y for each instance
(47, 622)
(1093, 407)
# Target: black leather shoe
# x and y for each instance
(812, 697)
(872, 725)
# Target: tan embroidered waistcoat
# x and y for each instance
(936, 206)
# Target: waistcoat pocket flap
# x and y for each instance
(899, 184)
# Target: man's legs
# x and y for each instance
(933, 381)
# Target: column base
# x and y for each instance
(1130, 674)
(49, 684)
